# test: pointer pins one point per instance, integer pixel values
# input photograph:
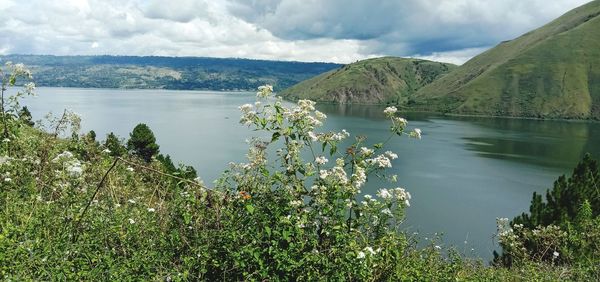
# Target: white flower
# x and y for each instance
(4, 159)
(245, 108)
(129, 168)
(384, 194)
(387, 212)
(296, 203)
(321, 160)
(323, 173)
(151, 210)
(75, 169)
(63, 155)
(555, 254)
(400, 122)
(437, 247)
(391, 155)
(416, 133)
(106, 151)
(314, 137)
(267, 87)
(320, 116)
(29, 87)
(361, 255)
(264, 91)
(131, 221)
(366, 151)
(306, 105)
(359, 177)
(5, 140)
(390, 111)
(131, 201)
(7, 179)
(370, 250)
(380, 161)
(199, 180)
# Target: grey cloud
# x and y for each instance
(421, 25)
(309, 30)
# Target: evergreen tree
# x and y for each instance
(25, 116)
(573, 206)
(92, 135)
(115, 146)
(566, 197)
(142, 142)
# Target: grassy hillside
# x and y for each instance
(373, 81)
(166, 72)
(550, 72)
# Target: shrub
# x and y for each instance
(564, 229)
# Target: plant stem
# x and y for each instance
(78, 225)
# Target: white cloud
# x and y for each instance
(457, 57)
(306, 30)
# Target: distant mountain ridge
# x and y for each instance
(387, 80)
(550, 72)
(166, 72)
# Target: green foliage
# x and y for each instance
(25, 116)
(71, 211)
(142, 142)
(568, 197)
(550, 72)
(114, 146)
(564, 229)
(386, 80)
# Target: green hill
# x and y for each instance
(372, 81)
(550, 72)
(154, 72)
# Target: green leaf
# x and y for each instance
(275, 137)
(250, 208)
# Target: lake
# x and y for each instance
(463, 174)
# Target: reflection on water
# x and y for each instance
(463, 174)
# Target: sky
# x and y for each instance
(341, 31)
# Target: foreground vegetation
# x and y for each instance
(72, 208)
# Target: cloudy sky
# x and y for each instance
(304, 30)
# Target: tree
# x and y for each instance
(562, 229)
(566, 197)
(114, 145)
(25, 116)
(142, 142)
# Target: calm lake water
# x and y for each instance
(463, 174)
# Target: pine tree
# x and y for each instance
(142, 142)
(25, 116)
(114, 145)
